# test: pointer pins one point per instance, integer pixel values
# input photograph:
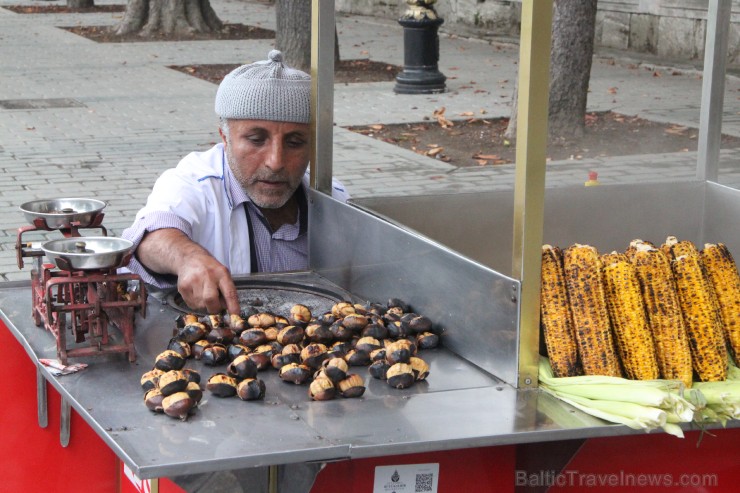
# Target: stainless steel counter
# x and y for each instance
(459, 406)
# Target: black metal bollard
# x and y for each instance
(420, 74)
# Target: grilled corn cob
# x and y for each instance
(588, 305)
(555, 316)
(627, 314)
(722, 272)
(703, 324)
(663, 314)
(634, 246)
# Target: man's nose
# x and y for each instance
(275, 155)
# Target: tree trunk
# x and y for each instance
(573, 27)
(80, 4)
(293, 33)
(169, 17)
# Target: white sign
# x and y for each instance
(407, 478)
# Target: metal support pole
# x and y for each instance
(529, 184)
(41, 402)
(713, 90)
(322, 94)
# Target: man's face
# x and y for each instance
(267, 158)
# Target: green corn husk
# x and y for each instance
(639, 404)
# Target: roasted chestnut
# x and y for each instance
(242, 367)
(335, 369)
(417, 323)
(261, 319)
(313, 355)
(178, 405)
(300, 313)
(377, 354)
(234, 350)
(186, 319)
(262, 356)
(398, 351)
(352, 386)
(150, 379)
(427, 340)
(191, 375)
(192, 332)
(279, 360)
(214, 355)
(195, 392)
(367, 344)
(295, 373)
(272, 333)
(251, 389)
(397, 329)
(237, 323)
(322, 389)
(290, 334)
(377, 331)
(319, 333)
(253, 337)
(222, 335)
(378, 369)
(357, 357)
(153, 400)
(342, 309)
(169, 360)
(172, 381)
(221, 385)
(419, 367)
(339, 332)
(326, 318)
(179, 346)
(198, 347)
(400, 376)
(397, 304)
(355, 322)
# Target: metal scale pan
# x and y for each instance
(62, 213)
(89, 252)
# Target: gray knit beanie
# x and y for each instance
(266, 90)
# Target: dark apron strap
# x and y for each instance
(253, 266)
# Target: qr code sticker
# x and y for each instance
(424, 482)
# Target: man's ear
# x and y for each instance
(223, 136)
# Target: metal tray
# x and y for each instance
(63, 213)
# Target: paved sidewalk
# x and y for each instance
(130, 117)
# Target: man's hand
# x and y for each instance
(203, 281)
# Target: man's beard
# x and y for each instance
(262, 199)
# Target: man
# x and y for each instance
(239, 207)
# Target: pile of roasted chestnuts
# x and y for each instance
(319, 350)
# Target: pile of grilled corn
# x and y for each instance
(648, 337)
(670, 311)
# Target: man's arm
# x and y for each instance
(203, 281)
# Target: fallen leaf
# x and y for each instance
(485, 156)
(435, 151)
(466, 113)
(612, 90)
(657, 74)
(377, 127)
(481, 162)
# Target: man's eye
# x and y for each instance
(256, 140)
(296, 142)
